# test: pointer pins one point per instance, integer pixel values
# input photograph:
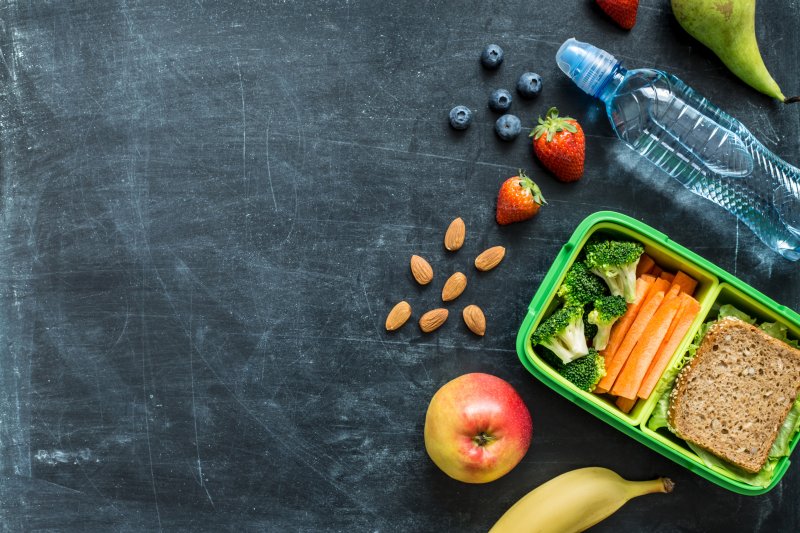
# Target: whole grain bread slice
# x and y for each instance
(732, 398)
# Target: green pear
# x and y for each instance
(728, 28)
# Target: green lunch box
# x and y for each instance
(715, 287)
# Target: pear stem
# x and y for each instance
(791, 99)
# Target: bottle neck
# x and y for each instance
(611, 83)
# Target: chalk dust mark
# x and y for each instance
(194, 410)
(244, 121)
(147, 423)
(97, 490)
(405, 152)
(369, 308)
(263, 347)
(380, 337)
(587, 204)
(269, 172)
(295, 451)
(10, 67)
(372, 223)
(302, 138)
(137, 202)
(70, 489)
(401, 343)
(55, 457)
(383, 89)
(124, 326)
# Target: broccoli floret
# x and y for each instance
(615, 262)
(589, 329)
(581, 286)
(562, 333)
(585, 372)
(605, 313)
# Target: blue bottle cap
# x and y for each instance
(588, 66)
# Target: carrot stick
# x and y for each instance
(688, 284)
(666, 350)
(673, 293)
(685, 299)
(645, 264)
(625, 405)
(667, 276)
(620, 328)
(659, 285)
(648, 278)
(681, 324)
(656, 271)
(630, 379)
(634, 334)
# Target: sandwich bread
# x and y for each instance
(734, 395)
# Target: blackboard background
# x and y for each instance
(208, 208)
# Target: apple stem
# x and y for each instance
(482, 439)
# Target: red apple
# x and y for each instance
(477, 428)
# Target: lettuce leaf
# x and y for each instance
(773, 329)
(780, 448)
(780, 332)
(729, 310)
(760, 479)
(658, 419)
(789, 428)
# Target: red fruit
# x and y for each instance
(519, 199)
(477, 428)
(559, 144)
(623, 12)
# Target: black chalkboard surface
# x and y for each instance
(208, 209)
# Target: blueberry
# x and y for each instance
(529, 85)
(507, 127)
(492, 56)
(500, 100)
(460, 117)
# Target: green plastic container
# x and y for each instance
(715, 287)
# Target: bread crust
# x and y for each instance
(734, 395)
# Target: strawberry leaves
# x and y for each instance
(553, 124)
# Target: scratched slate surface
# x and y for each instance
(208, 208)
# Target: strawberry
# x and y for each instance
(519, 199)
(623, 12)
(559, 144)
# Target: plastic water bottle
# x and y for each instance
(709, 152)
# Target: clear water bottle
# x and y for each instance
(708, 151)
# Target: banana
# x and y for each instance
(574, 501)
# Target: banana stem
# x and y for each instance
(791, 99)
(640, 488)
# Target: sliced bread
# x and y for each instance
(732, 398)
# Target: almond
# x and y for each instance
(433, 320)
(474, 319)
(421, 270)
(454, 286)
(454, 237)
(398, 316)
(490, 258)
